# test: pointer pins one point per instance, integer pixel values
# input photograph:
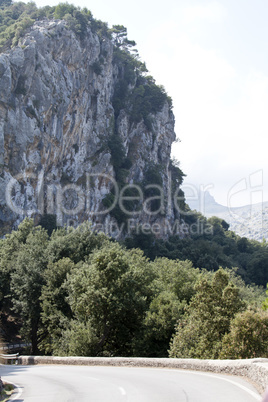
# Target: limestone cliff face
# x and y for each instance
(57, 121)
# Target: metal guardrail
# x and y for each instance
(11, 357)
(17, 345)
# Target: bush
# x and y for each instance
(207, 319)
(248, 336)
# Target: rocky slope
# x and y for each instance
(250, 221)
(67, 149)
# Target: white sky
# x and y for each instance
(211, 56)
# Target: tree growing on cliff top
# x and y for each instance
(119, 34)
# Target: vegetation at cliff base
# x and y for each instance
(78, 292)
(209, 245)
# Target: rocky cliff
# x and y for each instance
(81, 129)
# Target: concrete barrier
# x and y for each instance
(255, 370)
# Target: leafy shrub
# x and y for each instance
(207, 319)
(16, 18)
(248, 336)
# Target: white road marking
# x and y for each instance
(123, 392)
(93, 378)
(249, 391)
(17, 389)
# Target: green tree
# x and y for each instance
(56, 312)
(159, 325)
(74, 243)
(173, 288)
(63, 9)
(27, 279)
(5, 3)
(265, 303)
(10, 247)
(79, 339)
(248, 336)
(257, 267)
(207, 320)
(108, 295)
(119, 34)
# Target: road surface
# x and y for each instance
(124, 384)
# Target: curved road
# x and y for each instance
(124, 384)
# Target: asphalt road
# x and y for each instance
(124, 384)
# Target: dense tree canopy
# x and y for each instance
(209, 245)
(208, 317)
(107, 297)
(248, 336)
(78, 292)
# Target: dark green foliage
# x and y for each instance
(152, 175)
(23, 262)
(5, 3)
(119, 35)
(153, 187)
(56, 312)
(20, 88)
(177, 174)
(49, 223)
(75, 244)
(177, 177)
(146, 98)
(208, 317)
(9, 249)
(134, 91)
(78, 22)
(63, 9)
(127, 74)
(210, 245)
(173, 287)
(106, 295)
(145, 241)
(101, 29)
(121, 165)
(117, 150)
(77, 292)
(265, 303)
(17, 17)
(248, 336)
(31, 261)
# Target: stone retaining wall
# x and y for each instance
(256, 370)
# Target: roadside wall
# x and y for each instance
(256, 370)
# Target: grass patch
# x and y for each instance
(7, 392)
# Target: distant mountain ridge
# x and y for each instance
(249, 221)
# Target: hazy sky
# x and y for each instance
(212, 58)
